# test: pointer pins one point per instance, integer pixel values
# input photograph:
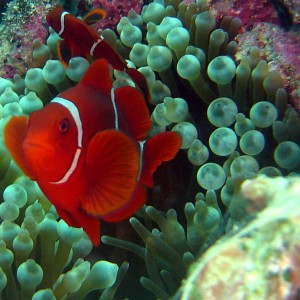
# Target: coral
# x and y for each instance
(249, 12)
(23, 21)
(116, 9)
(294, 8)
(265, 25)
(260, 261)
(3, 6)
(233, 129)
(280, 49)
(76, 7)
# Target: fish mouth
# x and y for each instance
(30, 145)
(40, 156)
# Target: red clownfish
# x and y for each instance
(79, 39)
(87, 150)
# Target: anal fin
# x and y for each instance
(105, 50)
(78, 218)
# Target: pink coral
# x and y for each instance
(22, 23)
(249, 12)
(261, 28)
(280, 49)
(116, 9)
(294, 8)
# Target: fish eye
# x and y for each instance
(64, 125)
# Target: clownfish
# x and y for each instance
(88, 152)
(79, 39)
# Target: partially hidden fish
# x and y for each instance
(88, 152)
(79, 39)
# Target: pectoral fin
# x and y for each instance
(112, 166)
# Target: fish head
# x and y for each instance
(53, 18)
(51, 142)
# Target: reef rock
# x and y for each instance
(262, 260)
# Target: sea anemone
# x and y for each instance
(235, 123)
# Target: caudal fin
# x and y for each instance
(160, 148)
(94, 16)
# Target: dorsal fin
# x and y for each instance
(159, 148)
(132, 105)
(104, 50)
(98, 77)
(94, 16)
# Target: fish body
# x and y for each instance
(79, 39)
(88, 152)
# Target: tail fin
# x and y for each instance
(160, 148)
